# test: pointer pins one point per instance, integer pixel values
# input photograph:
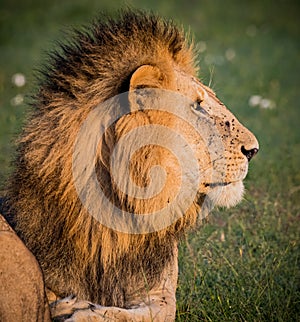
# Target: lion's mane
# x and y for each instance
(76, 253)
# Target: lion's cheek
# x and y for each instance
(227, 196)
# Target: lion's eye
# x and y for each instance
(196, 107)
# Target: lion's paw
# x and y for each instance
(98, 313)
(64, 308)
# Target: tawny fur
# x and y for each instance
(77, 254)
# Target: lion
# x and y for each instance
(21, 281)
(95, 268)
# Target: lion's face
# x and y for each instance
(223, 155)
(239, 145)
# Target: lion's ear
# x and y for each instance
(147, 76)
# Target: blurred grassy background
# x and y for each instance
(244, 264)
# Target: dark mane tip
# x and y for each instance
(109, 50)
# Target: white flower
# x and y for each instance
(255, 100)
(18, 79)
(267, 103)
(17, 100)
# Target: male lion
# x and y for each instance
(185, 143)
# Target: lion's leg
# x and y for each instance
(22, 295)
(159, 304)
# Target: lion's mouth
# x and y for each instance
(217, 184)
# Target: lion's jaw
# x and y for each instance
(227, 195)
(228, 190)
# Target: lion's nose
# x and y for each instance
(249, 153)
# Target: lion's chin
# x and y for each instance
(228, 195)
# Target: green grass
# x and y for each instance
(243, 265)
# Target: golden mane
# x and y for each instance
(77, 254)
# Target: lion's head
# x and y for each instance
(201, 147)
(222, 146)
